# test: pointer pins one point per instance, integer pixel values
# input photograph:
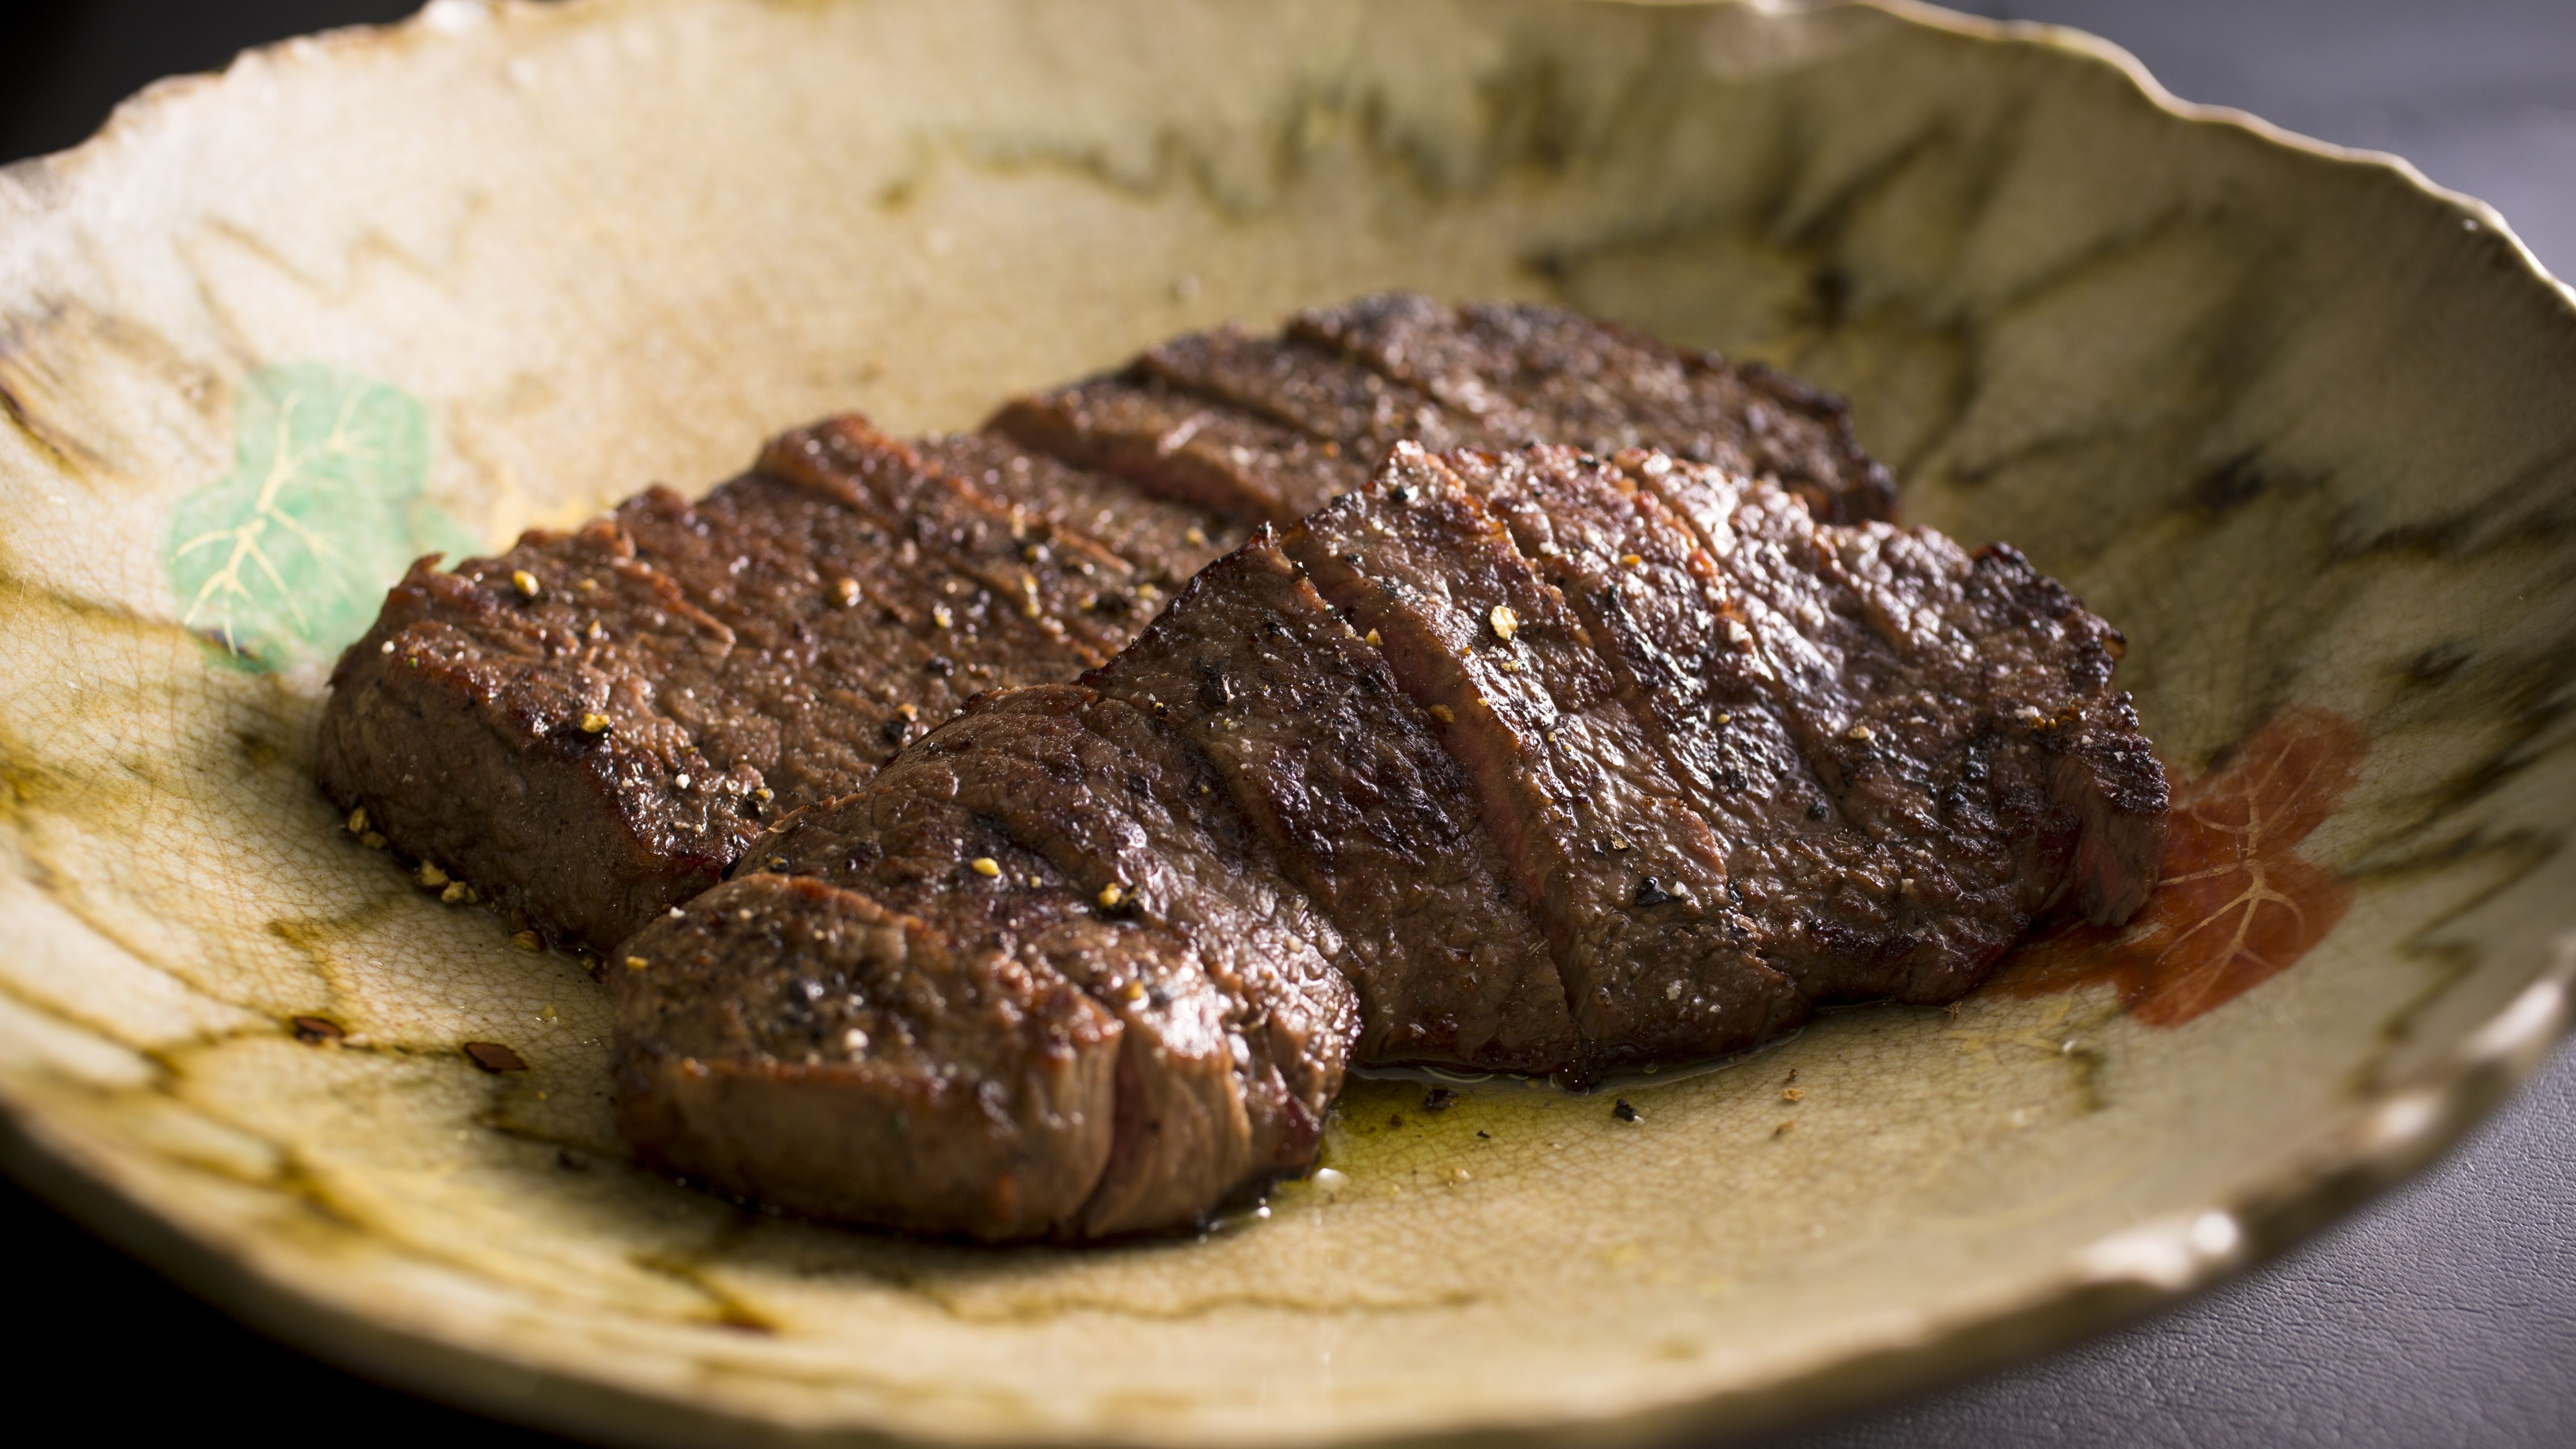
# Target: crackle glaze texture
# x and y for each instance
(2305, 429)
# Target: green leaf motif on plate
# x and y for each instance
(288, 556)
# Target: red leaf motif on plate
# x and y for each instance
(2237, 903)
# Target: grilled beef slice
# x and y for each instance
(770, 646)
(1543, 374)
(1275, 427)
(1123, 1010)
(591, 727)
(1541, 761)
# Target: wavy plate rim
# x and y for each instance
(2384, 1136)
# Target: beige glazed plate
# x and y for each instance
(2304, 427)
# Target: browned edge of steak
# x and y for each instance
(1206, 974)
(1274, 427)
(589, 728)
(434, 718)
(1302, 720)
(1536, 373)
(740, 1096)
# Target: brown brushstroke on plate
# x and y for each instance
(2238, 904)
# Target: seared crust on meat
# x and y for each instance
(1184, 446)
(1541, 699)
(786, 1038)
(1541, 374)
(590, 728)
(1542, 760)
(769, 646)
(1166, 541)
(1110, 874)
(1303, 720)
(1627, 883)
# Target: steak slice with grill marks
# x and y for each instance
(1314, 390)
(1958, 708)
(1626, 881)
(1054, 582)
(1167, 542)
(830, 999)
(1049, 837)
(1303, 720)
(771, 645)
(590, 727)
(1185, 446)
(1543, 374)
(1559, 762)
(1275, 427)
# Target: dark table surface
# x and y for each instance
(2443, 1314)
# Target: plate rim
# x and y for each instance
(2382, 1137)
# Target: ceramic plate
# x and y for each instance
(2303, 426)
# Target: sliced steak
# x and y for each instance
(1626, 880)
(771, 645)
(1560, 762)
(590, 727)
(1056, 579)
(1057, 838)
(783, 1037)
(1302, 719)
(1667, 626)
(1958, 707)
(1315, 390)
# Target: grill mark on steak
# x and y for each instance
(1318, 745)
(1541, 374)
(1315, 390)
(1183, 446)
(1958, 708)
(791, 700)
(725, 695)
(1668, 625)
(1276, 427)
(768, 646)
(1052, 578)
(1628, 881)
(1167, 542)
(1199, 768)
